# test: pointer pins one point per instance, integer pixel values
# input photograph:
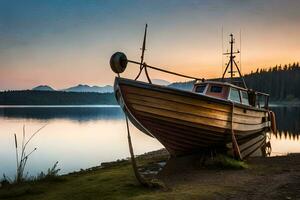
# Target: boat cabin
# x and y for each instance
(233, 93)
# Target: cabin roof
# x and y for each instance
(229, 85)
(221, 83)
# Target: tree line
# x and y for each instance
(281, 82)
(30, 97)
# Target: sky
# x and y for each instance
(63, 43)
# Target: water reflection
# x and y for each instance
(286, 140)
(288, 122)
(77, 137)
(82, 137)
(70, 113)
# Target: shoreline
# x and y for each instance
(266, 178)
(283, 103)
(271, 104)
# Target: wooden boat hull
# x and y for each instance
(186, 122)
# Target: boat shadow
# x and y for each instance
(167, 168)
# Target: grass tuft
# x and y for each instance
(225, 162)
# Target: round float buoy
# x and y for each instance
(273, 121)
(118, 62)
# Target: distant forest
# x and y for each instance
(29, 97)
(281, 82)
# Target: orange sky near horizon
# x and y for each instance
(74, 46)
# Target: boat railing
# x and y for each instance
(258, 99)
(262, 100)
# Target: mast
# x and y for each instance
(142, 57)
(144, 45)
(231, 63)
(231, 56)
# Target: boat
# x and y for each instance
(220, 116)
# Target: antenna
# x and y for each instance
(231, 55)
(232, 62)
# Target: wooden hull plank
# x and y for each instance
(185, 122)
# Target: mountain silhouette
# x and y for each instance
(160, 82)
(87, 88)
(43, 88)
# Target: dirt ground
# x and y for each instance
(266, 178)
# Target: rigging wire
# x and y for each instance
(241, 50)
(165, 71)
(222, 51)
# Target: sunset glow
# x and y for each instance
(65, 43)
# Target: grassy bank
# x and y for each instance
(116, 181)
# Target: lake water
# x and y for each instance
(80, 137)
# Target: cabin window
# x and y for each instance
(245, 99)
(234, 95)
(200, 88)
(216, 89)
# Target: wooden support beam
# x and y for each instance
(235, 145)
(138, 176)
